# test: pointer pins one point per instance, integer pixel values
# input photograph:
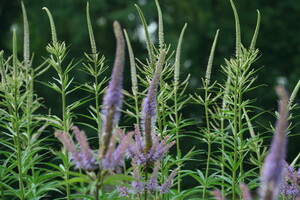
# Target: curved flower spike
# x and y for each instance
(113, 96)
(166, 186)
(273, 168)
(84, 158)
(149, 103)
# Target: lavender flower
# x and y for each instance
(124, 191)
(83, 159)
(137, 185)
(218, 194)
(290, 182)
(166, 186)
(272, 169)
(88, 160)
(114, 157)
(113, 96)
(152, 184)
(149, 103)
(245, 192)
(156, 152)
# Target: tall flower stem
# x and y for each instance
(95, 70)
(176, 109)
(15, 124)
(208, 138)
(146, 180)
(59, 51)
(206, 102)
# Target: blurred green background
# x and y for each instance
(278, 41)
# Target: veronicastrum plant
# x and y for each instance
(24, 174)
(226, 117)
(155, 104)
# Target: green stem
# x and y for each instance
(222, 131)
(208, 139)
(236, 126)
(177, 136)
(65, 127)
(98, 185)
(15, 123)
(97, 99)
(136, 102)
(146, 179)
(222, 157)
(240, 128)
(19, 152)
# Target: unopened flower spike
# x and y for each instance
(113, 96)
(149, 103)
(273, 168)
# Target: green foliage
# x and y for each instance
(228, 145)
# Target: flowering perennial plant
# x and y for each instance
(290, 185)
(84, 158)
(136, 165)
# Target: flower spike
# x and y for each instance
(149, 103)
(273, 168)
(84, 158)
(113, 96)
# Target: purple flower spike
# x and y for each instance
(149, 103)
(152, 184)
(166, 186)
(87, 158)
(245, 192)
(157, 151)
(290, 183)
(124, 191)
(138, 186)
(114, 157)
(113, 96)
(272, 169)
(67, 141)
(218, 195)
(83, 159)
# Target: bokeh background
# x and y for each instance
(278, 41)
